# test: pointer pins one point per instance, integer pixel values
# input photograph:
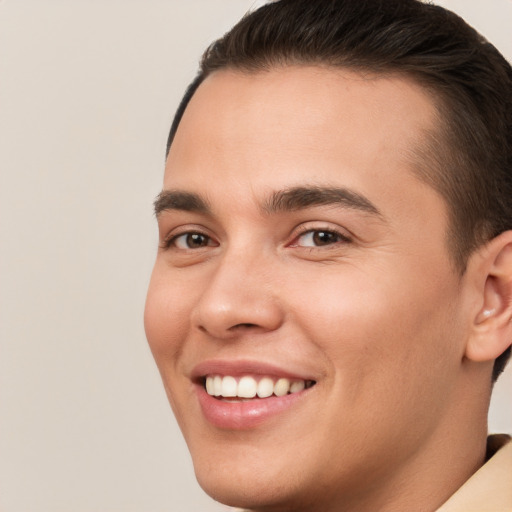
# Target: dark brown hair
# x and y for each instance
(468, 160)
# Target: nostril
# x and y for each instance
(233, 329)
(243, 326)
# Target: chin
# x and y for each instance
(249, 481)
(252, 492)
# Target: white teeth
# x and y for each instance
(209, 386)
(297, 386)
(249, 387)
(217, 385)
(229, 386)
(265, 387)
(282, 387)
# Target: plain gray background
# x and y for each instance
(87, 92)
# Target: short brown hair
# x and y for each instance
(468, 160)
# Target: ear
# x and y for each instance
(491, 332)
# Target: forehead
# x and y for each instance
(287, 126)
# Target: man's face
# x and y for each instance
(297, 243)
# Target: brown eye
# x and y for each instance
(325, 237)
(191, 241)
(319, 238)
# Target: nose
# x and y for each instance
(239, 297)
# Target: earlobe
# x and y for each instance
(491, 332)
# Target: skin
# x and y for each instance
(377, 315)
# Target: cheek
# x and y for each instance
(166, 319)
(166, 322)
(385, 343)
(382, 331)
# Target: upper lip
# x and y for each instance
(239, 368)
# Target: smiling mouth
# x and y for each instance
(229, 388)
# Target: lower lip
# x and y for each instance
(248, 414)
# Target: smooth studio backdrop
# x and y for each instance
(87, 92)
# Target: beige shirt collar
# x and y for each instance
(490, 488)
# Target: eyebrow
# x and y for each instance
(299, 198)
(291, 199)
(179, 200)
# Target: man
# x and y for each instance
(332, 296)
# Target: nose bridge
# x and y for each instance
(239, 294)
